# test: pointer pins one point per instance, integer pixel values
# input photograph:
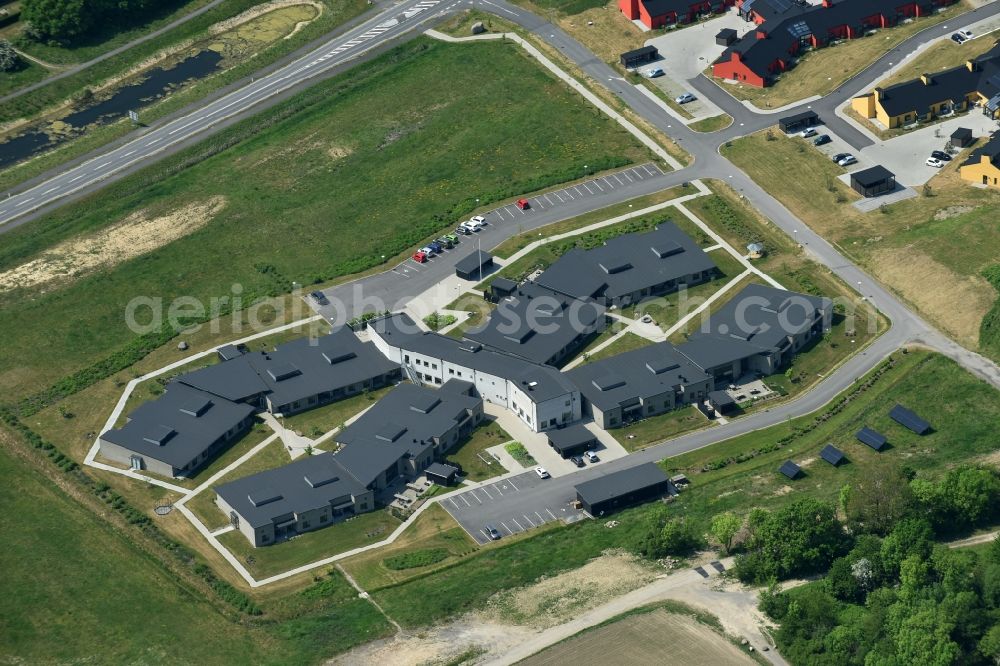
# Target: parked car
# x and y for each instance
(444, 242)
(848, 161)
(821, 140)
(839, 156)
(941, 155)
(957, 38)
(577, 460)
(493, 532)
(479, 219)
(319, 297)
(436, 247)
(542, 473)
(463, 230)
(451, 238)
(419, 257)
(685, 98)
(522, 204)
(591, 457)
(428, 250)
(653, 72)
(934, 162)
(808, 132)
(472, 226)
(966, 33)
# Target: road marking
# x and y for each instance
(598, 185)
(467, 502)
(608, 183)
(519, 526)
(540, 519)
(538, 202)
(577, 188)
(487, 493)
(547, 198)
(25, 202)
(549, 511)
(128, 153)
(561, 200)
(504, 525)
(101, 166)
(73, 180)
(566, 192)
(529, 520)
(152, 142)
(625, 173)
(51, 189)
(512, 483)
(588, 188)
(473, 493)
(497, 488)
(452, 500)
(618, 179)
(651, 173)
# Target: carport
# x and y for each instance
(571, 441)
(441, 474)
(798, 122)
(632, 59)
(472, 266)
(624, 488)
(874, 181)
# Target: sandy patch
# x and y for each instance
(339, 152)
(260, 10)
(559, 598)
(956, 303)
(807, 462)
(135, 235)
(952, 211)
(783, 490)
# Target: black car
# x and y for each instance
(941, 155)
(577, 460)
(840, 156)
(319, 297)
(957, 38)
(821, 139)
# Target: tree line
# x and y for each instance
(66, 21)
(890, 593)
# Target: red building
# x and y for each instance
(784, 29)
(658, 13)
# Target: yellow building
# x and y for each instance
(983, 165)
(933, 95)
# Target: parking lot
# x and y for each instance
(507, 506)
(549, 200)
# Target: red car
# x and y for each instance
(419, 257)
(523, 204)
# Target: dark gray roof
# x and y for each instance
(798, 117)
(644, 50)
(570, 436)
(721, 398)
(990, 150)
(295, 370)
(178, 426)
(622, 482)
(473, 261)
(832, 454)
(502, 284)
(306, 484)
(228, 352)
(908, 419)
(626, 264)
(962, 133)
(759, 319)
(536, 323)
(790, 469)
(640, 373)
(441, 470)
(872, 438)
(872, 176)
(401, 331)
(404, 422)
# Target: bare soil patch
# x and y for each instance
(952, 211)
(957, 303)
(135, 235)
(560, 598)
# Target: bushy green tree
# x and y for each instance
(9, 59)
(60, 19)
(879, 499)
(725, 527)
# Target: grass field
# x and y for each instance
(644, 638)
(940, 55)
(315, 422)
(628, 341)
(75, 587)
(655, 429)
(487, 435)
(949, 236)
(743, 472)
(821, 71)
(345, 175)
(713, 124)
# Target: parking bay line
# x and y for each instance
(541, 521)
(467, 502)
(528, 519)
(519, 527)
(588, 188)
(473, 493)
(504, 525)
(511, 482)
(497, 488)
(487, 493)
(598, 185)
(549, 511)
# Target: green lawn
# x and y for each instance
(962, 410)
(353, 533)
(629, 341)
(656, 429)
(315, 422)
(351, 157)
(28, 73)
(74, 587)
(468, 453)
(713, 124)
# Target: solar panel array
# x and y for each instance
(800, 29)
(908, 419)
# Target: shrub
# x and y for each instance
(416, 558)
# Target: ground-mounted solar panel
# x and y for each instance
(832, 455)
(909, 419)
(790, 469)
(871, 438)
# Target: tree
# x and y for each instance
(665, 535)
(963, 498)
(59, 19)
(724, 528)
(912, 536)
(9, 59)
(841, 582)
(989, 646)
(879, 500)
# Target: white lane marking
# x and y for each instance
(452, 500)
(473, 493)
(101, 166)
(128, 153)
(73, 180)
(25, 202)
(549, 511)
(618, 179)
(587, 187)
(598, 185)
(51, 189)
(608, 183)
(528, 519)
(504, 525)
(519, 526)
(540, 519)
(497, 488)
(577, 188)
(152, 142)
(512, 483)
(630, 179)
(487, 493)
(651, 173)
(549, 199)
(467, 502)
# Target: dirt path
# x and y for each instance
(974, 540)
(495, 639)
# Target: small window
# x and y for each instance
(305, 524)
(323, 518)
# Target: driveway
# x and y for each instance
(688, 51)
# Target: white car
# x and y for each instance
(478, 219)
(542, 472)
(472, 225)
(966, 33)
(429, 251)
(808, 132)
(847, 161)
(934, 162)
(653, 72)
(591, 457)
(685, 98)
